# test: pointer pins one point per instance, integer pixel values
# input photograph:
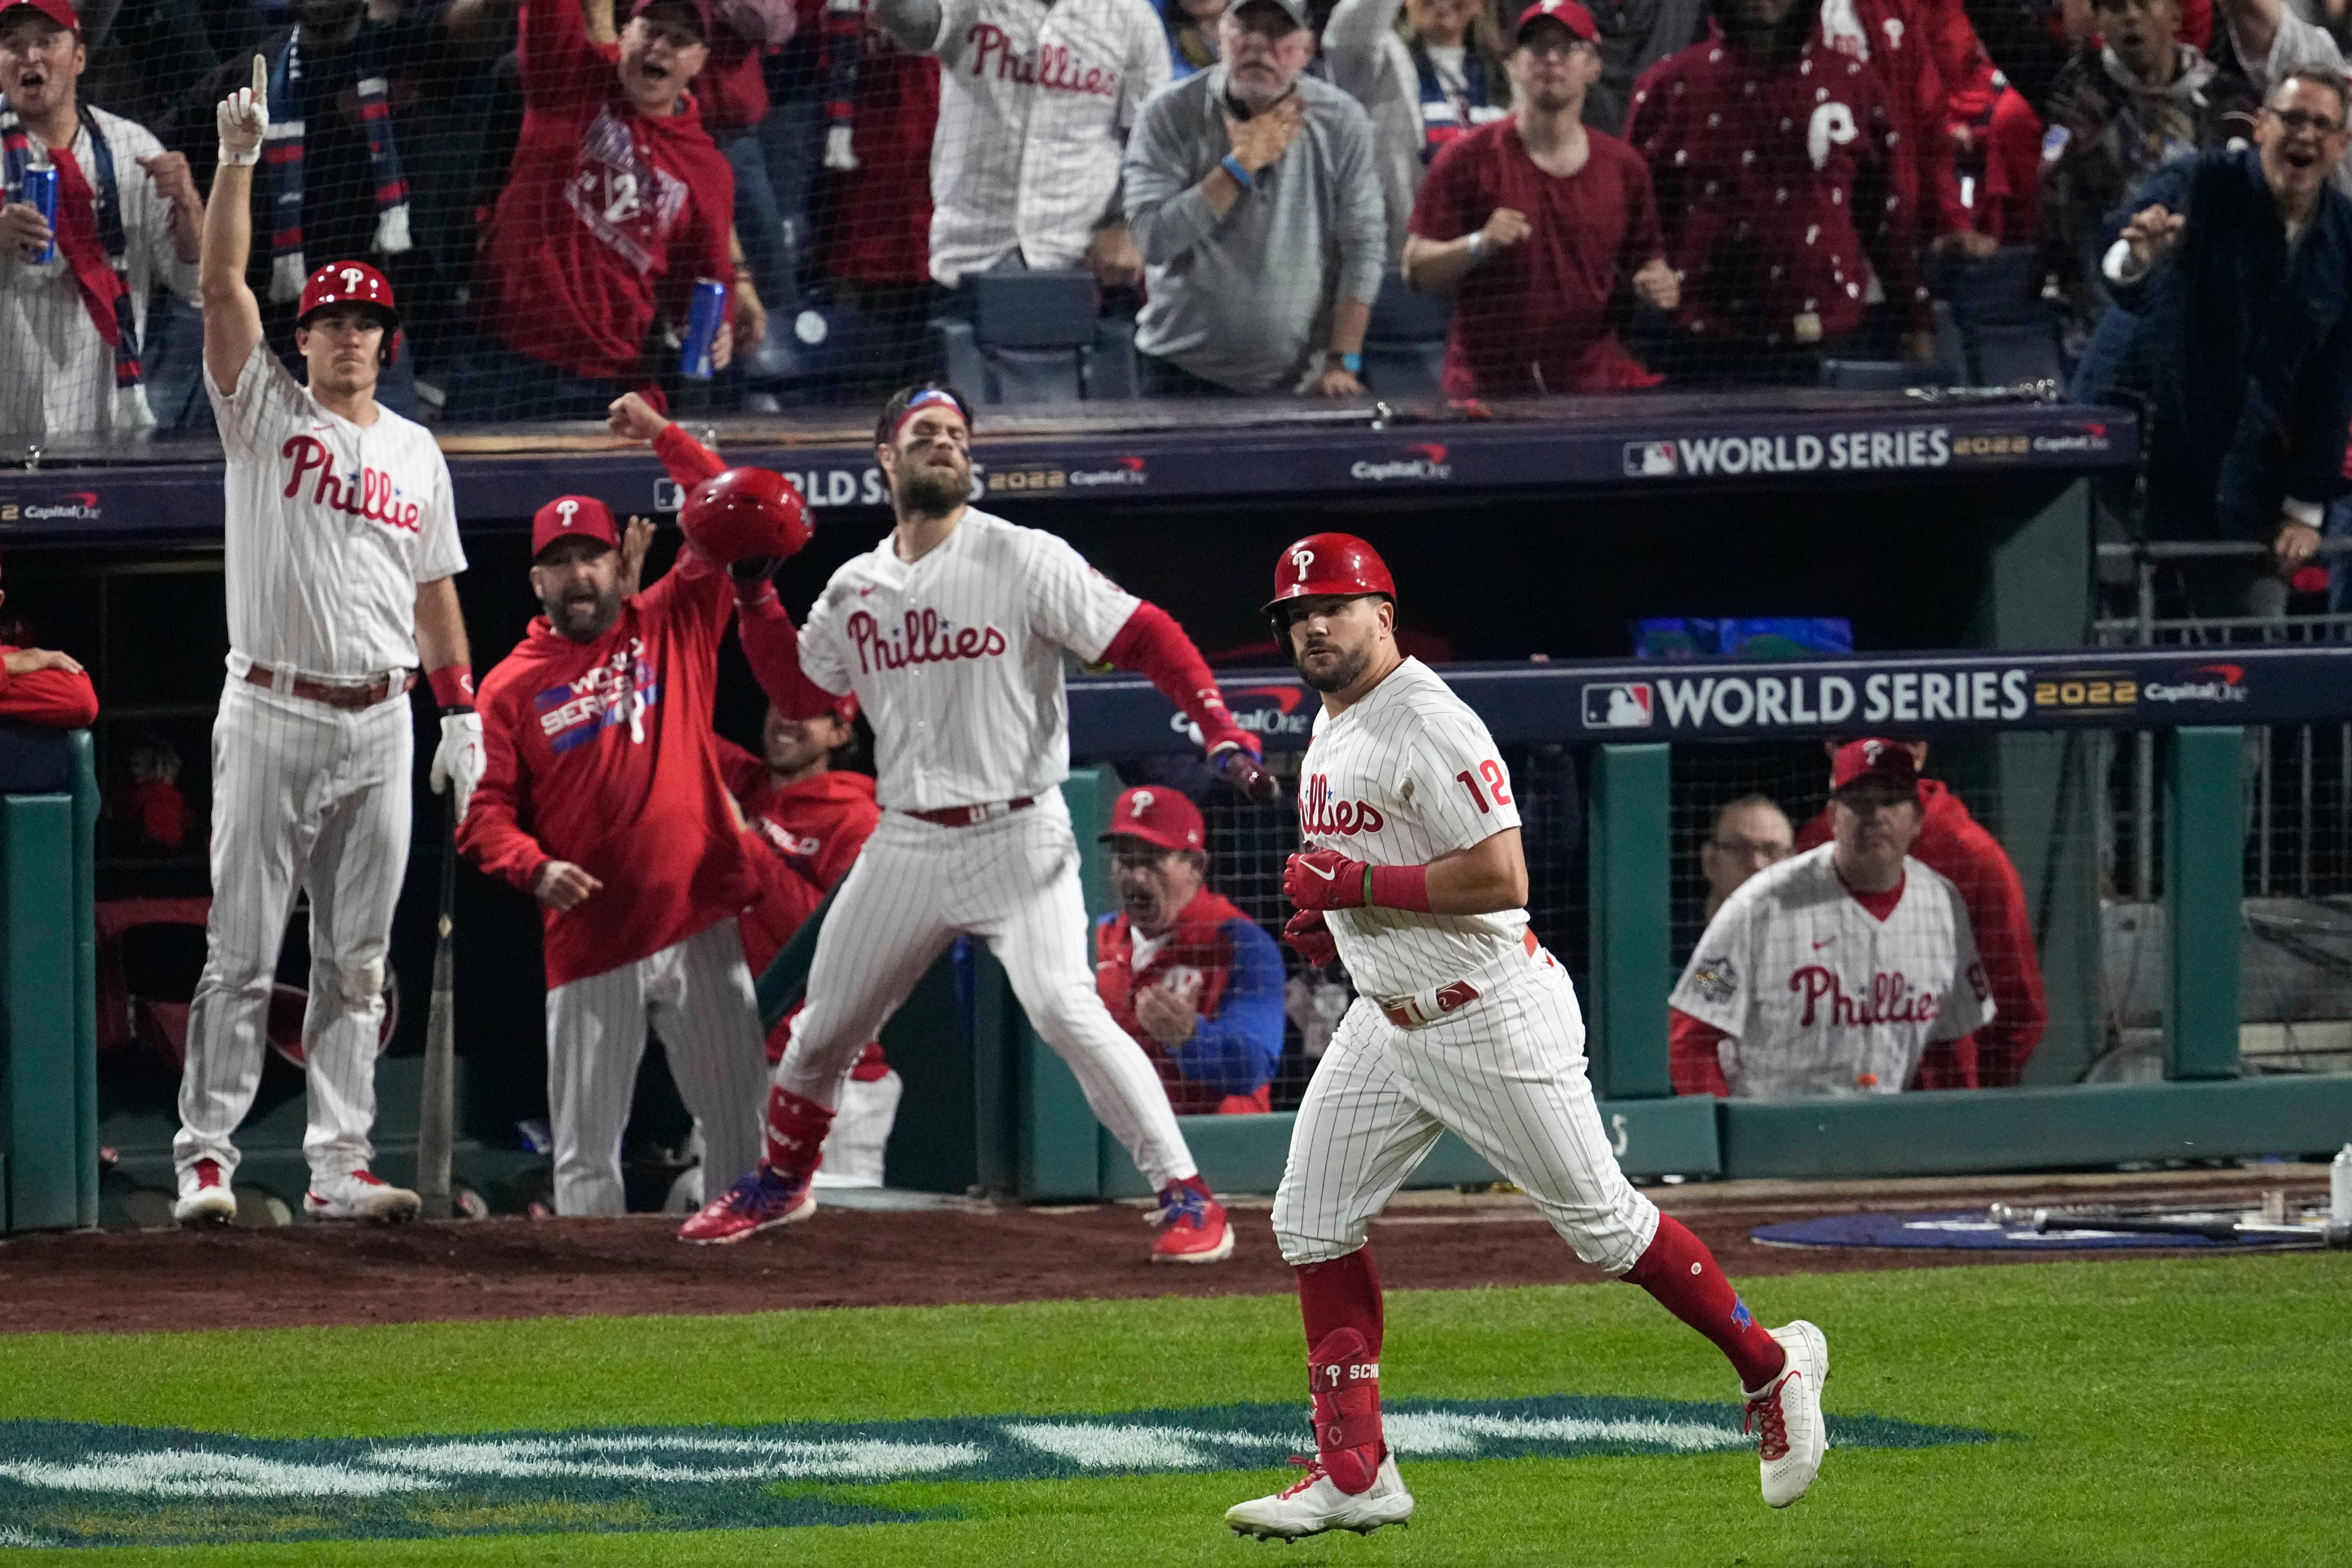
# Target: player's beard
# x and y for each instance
(584, 618)
(1337, 677)
(928, 490)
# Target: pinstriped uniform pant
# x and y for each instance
(309, 796)
(1506, 1073)
(697, 994)
(1013, 883)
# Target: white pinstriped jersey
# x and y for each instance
(1035, 101)
(1819, 995)
(59, 375)
(957, 659)
(1400, 778)
(331, 527)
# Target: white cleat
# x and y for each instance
(204, 1197)
(1312, 1505)
(1792, 1437)
(359, 1196)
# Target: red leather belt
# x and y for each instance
(968, 816)
(335, 696)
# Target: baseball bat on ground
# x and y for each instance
(435, 1116)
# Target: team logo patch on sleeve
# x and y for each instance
(1716, 979)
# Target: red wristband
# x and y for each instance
(1399, 887)
(453, 686)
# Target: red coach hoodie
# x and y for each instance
(602, 754)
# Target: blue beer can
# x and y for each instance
(704, 322)
(41, 190)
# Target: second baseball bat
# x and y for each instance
(436, 1117)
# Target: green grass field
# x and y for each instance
(2179, 1411)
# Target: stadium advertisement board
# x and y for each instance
(1925, 694)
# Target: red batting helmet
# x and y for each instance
(745, 512)
(1338, 564)
(353, 282)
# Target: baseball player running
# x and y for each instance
(340, 545)
(605, 799)
(1413, 877)
(951, 634)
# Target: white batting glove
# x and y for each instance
(243, 118)
(459, 759)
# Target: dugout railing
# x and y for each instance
(2028, 718)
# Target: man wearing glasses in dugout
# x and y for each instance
(2240, 262)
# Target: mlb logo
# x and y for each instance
(1649, 459)
(1621, 705)
(669, 496)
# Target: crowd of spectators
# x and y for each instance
(1612, 195)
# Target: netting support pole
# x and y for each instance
(2204, 888)
(1632, 955)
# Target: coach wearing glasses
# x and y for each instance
(2240, 263)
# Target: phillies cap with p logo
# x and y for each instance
(572, 517)
(1158, 815)
(1876, 759)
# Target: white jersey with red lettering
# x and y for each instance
(1400, 778)
(957, 662)
(957, 659)
(331, 527)
(1035, 102)
(1822, 997)
(1465, 1023)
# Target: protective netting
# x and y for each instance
(1107, 199)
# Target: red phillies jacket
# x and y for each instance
(1955, 845)
(802, 839)
(54, 699)
(1776, 186)
(1234, 973)
(1897, 40)
(602, 754)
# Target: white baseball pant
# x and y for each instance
(1013, 883)
(697, 994)
(316, 797)
(1506, 1073)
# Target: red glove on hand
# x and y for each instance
(1310, 938)
(1220, 732)
(1324, 879)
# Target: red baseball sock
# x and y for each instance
(1679, 1270)
(1344, 1293)
(796, 1130)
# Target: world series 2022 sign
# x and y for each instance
(1629, 704)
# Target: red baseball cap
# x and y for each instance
(699, 9)
(567, 516)
(1158, 815)
(61, 12)
(1567, 12)
(1886, 761)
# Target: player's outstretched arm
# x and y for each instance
(232, 315)
(1152, 644)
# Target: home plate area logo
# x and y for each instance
(66, 1484)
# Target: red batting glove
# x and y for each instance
(1221, 734)
(1324, 879)
(1310, 938)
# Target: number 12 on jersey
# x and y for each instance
(1492, 771)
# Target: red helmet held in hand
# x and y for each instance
(745, 513)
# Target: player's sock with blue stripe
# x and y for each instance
(1679, 1270)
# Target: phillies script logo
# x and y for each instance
(925, 640)
(1892, 999)
(369, 493)
(1050, 67)
(1318, 813)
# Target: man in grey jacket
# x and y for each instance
(1252, 192)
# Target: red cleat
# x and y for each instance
(759, 1201)
(1193, 1226)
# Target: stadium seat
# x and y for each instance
(2007, 352)
(1404, 347)
(1034, 337)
